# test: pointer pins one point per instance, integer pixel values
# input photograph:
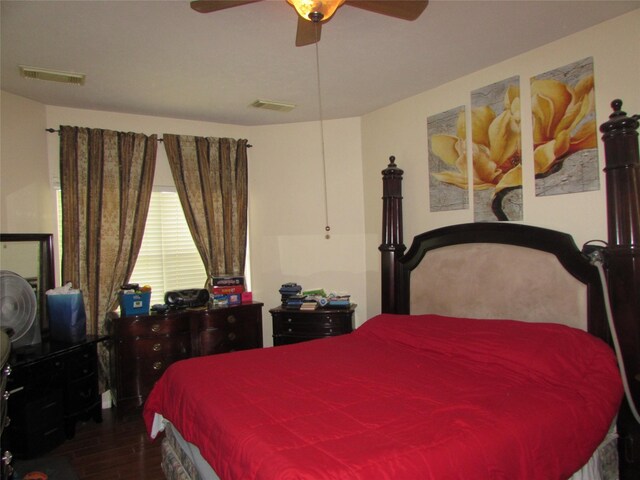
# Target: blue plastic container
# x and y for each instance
(67, 318)
(134, 303)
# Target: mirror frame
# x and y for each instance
(46, 275)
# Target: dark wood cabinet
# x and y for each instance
(144, 346)
(293, 326)
(51, 387)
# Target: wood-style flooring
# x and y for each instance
(116, 449)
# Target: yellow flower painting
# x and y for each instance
(448, 161)
(564, 130)
(496, 152)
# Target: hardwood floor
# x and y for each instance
(116, 449)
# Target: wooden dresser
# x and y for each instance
(293, 326)
(143, 346)
(51, 386)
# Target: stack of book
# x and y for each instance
(342, 301)
(227, 290)
(309, 304)
(289, 290)
(294, 302)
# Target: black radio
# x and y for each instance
(193, 297)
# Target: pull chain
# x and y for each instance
(327, 228)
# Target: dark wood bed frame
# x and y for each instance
(621, 254)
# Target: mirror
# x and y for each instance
(30, 255)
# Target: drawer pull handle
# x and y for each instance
(156, 347)
(289, 320)
(157, 365)
(232, 336)
(155, 328)
(231, 319)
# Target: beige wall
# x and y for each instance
(25, 196)
(288, 241)
(400, 130)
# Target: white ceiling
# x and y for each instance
(161, 58)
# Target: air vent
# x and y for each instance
(270, 105)
(52, 75)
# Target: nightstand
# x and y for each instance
(293, 326)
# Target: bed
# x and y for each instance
(476, 368)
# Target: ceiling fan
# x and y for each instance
(312, 13)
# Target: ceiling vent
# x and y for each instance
(52, 75)
(270, 105)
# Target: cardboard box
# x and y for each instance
(235, 298)
(229, 281)
(221, 300)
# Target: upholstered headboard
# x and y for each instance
(498, 270)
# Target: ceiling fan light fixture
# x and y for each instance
(308, 9)
(52, 75)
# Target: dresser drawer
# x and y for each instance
(142, 375)
(151, 325)
(218, 340)
(155, 347)
(82, 363)
(38, 377)
(321, 323)
(305, 328)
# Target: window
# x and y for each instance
(168, 258)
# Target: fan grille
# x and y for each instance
(17, 305)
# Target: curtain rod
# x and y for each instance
(53, 130)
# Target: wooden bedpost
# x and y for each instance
(622, 258)
(391, 247)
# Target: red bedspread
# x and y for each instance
(403, 397)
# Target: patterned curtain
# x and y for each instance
(106, 179)
(211, 179)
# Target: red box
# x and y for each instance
(237, 289)
(247, 297)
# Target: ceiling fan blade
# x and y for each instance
(404, 9)
(308, 32)
(206, 6)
